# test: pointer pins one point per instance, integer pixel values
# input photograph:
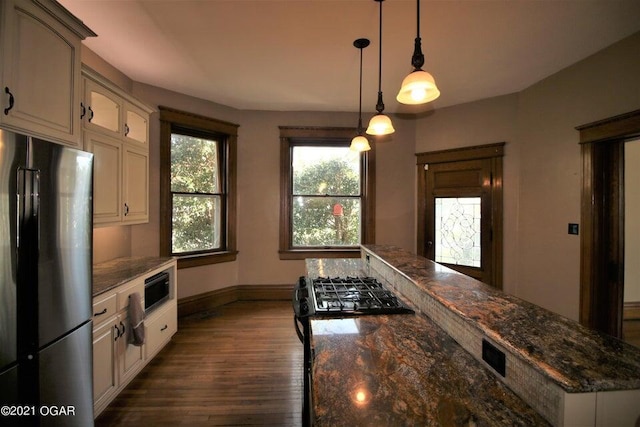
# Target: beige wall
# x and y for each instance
(632, 221)
(541, 188)
(483, 122)
(259, 192)
(542, 164)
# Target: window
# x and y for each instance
(327, 194)
(197, 185)
(458, 230)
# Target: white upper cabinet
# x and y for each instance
(109, 110)
(116, 131)
(101, 109)
(136, 125)
(40, 70)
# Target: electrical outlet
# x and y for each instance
(494, 357)
(573, 228)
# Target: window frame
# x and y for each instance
(176, 121)
(319, 136)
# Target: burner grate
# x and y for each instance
(354, 295)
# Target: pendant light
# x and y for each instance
(360, 142)
(418, 87)
(380, 124)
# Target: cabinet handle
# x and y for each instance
(11, 101)
(123, 329)
(117, 332)
(101, 313)
(165, 327)
(126, 209)
(84, 110)
(90, 113)
(126, 129)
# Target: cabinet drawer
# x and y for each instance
(133, 287)
(103, 308)
(161, 327)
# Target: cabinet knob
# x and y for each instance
(11, 101)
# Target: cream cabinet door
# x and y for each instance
(105, 380)
(136, 185)
(131, 356)
(40, 74)
(136, 125)
(107, 181)
(160, 327)
(101, 109)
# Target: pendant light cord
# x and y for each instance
(380, 103)
(417, 60)
(380, 51)
(360, 106)
(418, 18)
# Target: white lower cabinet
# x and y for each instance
(161, 328)
(105, 373)
(115, 361)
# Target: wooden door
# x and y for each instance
(460, 210)
(602, 242)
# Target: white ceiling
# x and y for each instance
(298, 55)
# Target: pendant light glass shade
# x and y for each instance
(419, 87)
(380, 125)
(360, 143)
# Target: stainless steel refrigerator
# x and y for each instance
(45, 283)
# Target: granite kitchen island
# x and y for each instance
(421, 369)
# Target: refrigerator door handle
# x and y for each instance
(28, 204)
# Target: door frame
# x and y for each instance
(602, 217)
(495, 152)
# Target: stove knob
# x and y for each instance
(302, 282)
(304, 306)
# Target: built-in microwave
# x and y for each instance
(156, 290)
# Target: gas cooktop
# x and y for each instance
(345, 296)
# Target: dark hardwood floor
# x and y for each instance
(238, 365)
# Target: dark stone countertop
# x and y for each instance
(576, 358)
(399, 370)
(110, 274)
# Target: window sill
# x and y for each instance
(319, 253)
(199, 260)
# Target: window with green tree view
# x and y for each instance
(197, 188)
(327, 193)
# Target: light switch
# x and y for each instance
(573, 228)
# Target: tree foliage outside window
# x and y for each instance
(197, 194)
(326, 202)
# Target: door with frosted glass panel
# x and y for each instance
(458, 217)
